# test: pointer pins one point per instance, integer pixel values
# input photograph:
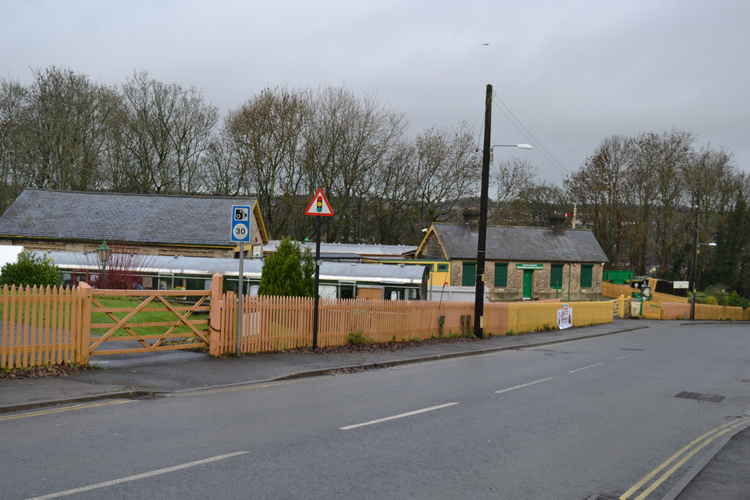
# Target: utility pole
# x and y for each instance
(483, 202)
(693, 283)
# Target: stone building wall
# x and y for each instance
(432, 249)
(541, 283)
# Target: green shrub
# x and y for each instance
(30, 270)
(711, 300)
(357, 338)
(288, 272)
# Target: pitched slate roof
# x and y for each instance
(522, 244)
(132, 218)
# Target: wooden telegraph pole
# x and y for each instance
(483, 202)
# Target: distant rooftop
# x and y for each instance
(353, 249)
(119, 217)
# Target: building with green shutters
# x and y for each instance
(522, 263)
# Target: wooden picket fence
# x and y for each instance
(51, 325)
(281, 323)
(42, 326)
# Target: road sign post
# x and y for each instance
(240, 233)
(319, 207)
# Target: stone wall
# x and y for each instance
(432, 249)
(541, 287)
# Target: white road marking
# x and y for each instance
(136, 477)
(400, 415)
(585, 367)
(528, 384)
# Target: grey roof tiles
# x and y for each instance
(193, 220)
(522, 243)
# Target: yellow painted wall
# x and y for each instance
(529, 317)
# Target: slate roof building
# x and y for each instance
(521, 262)
(196, 226)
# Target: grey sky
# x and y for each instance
(573, 72)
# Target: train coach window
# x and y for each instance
(346, 291)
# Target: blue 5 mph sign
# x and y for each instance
(241, 227)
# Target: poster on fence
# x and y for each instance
(564, 317)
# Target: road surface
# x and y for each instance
(565, 421)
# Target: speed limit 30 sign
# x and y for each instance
(241, 223)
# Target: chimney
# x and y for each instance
(557, 223)
(471, 218)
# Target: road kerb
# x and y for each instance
(399, 362)
(693, 471)
(141, 393)
(81, 399)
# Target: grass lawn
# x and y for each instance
(162, 314)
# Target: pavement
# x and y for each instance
(726, 476)
(601, 416)
(165, 372)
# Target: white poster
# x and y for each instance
(564, 317)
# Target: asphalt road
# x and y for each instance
(560, 422)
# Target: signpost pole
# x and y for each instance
(317, 281)
(241, 231)
(318, 207)
(240, 302)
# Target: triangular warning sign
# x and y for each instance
(319, 205)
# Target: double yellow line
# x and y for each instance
(680, 457)
(63, 409)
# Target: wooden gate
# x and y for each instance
(148, 320)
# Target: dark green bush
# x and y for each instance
(287, 272)
(30, 270)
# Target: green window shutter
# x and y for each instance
(501, 274)
(556, 276)
(469, 274)
(586, 275)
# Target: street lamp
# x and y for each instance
(695, 272)
(104, 252)
(483, 202)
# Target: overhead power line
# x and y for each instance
(530, 136)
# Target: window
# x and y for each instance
(586, 275)
(556, 276)
(501, 274)
(442, 268)
(469, 274)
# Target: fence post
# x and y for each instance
(214, 316)
(84, 335)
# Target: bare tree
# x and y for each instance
(511, 178)
(600, 187)
(266, 135)
(347, 138)
(446, 169)
(166, 133)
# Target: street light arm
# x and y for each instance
(517, 146)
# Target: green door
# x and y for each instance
(528, 283)
(469, 274)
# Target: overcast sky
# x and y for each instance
(573, 72)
